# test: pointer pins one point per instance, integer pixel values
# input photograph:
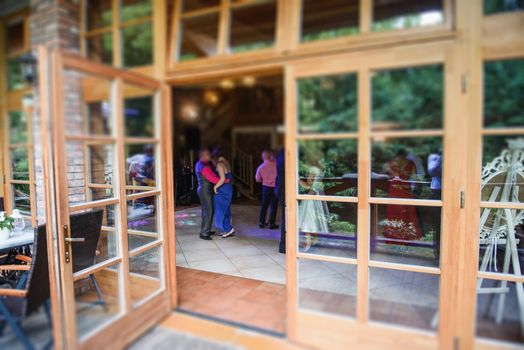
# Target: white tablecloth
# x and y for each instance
(18, 239)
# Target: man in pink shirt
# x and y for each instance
(267, 174)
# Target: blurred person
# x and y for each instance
(142, 167)
(267, 174)
(223, 195)
(435, 171)
(402, 220)
(313, 215)
(280, 193)
(206, 180)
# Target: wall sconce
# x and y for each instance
(28, 68)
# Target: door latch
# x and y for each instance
(67, 241)
(462, 199)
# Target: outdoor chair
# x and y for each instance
(85, 232)
(31, 292)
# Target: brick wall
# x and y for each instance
(55, 24)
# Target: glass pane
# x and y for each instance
(95, 247)
(328, 167)
(327, 287)
(253, 27)
(503, 85)
(500, 315)
(21, 198)
(98, 14)
(396, 14)
(406, 168)
(329, 19)
(503, 169)
(76, 172)
(496, 6)
(140, 165)
(144, 270)
(501, 243)
(199, 37)
(15, 36)
(99, 48)
(101, 193)
(101, 158)
(190, 5)
(327, 228)
(405, 234)
(131, 9)
(19, 163)
(142, 221)
(17, 127)
(408, 98)
(404, 298)
(139, 114)
(82, 93)
(99, 121)
(97, 299)
(137, 45)
(327, 104)
(14, 76)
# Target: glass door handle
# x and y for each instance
(75, 240)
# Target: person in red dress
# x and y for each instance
(402, 221)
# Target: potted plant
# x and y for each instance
(6, 226)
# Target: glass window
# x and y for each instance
(191, 5)
(329, 19)
(19, 163)
(500, 315)
(144, 270)
(99, 119)
(404, 298)
(199, 37)
(327, 287)
(397, 14)
(15, 36)
(99, 48)
(14, 76)
(17, 127)
(140, 167)
(408, 98)
(139, 116)
(132, 9)
(99, 14)
(406, 168)
(327, 228)
(497, 6)
(328, 167)
(405, 234)
(21, 196)
(101, 158)
(137, 45)
(503, 87)
(142, 222)
(327, 104)
(253, 27)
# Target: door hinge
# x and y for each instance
(462, 199)
(456, 343)
(464, 83)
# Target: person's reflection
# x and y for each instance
(435, 171)
(313, 215)
(142, 167)
(402, 221)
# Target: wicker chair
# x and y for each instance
(31, 293)
(86, 227)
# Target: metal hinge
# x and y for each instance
(456, 343)
(462, 199)
(464, 83)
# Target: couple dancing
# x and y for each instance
(215, 191)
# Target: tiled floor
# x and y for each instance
(251, 253)
(251, 302)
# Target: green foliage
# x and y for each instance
(330, 34)
(328, 104)
(412, 98)
(504, 93)
(6, 222)
(137, 45)
(139, 116)
(17, 127)
(496, 6)
(14, 76)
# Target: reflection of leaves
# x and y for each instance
(495, 6)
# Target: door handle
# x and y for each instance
(74, 240)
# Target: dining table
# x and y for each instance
(18, 239)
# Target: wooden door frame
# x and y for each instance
(131, 322)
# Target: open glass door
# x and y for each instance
(111, 158)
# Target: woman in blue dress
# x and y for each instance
(223, 198)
